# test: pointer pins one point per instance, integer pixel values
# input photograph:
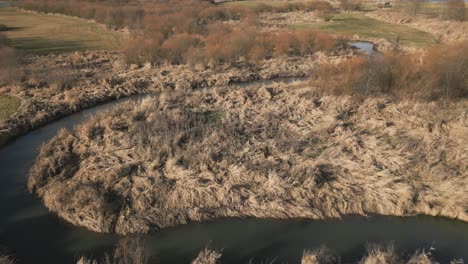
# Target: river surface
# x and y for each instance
(367, 47)
(36, 236)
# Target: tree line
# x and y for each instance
(195, 31)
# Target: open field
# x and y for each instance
(53, 33)
(8, 105)
(445, 31)
(366, 27)
(430, 9)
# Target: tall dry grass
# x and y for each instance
(439, 73)
(6, 260)
(9, 62)
(179, 31)
(207, 256)
(129, 250)
(272, 152)
(376, 254)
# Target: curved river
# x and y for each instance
(34, 235)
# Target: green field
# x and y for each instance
(54, 33)
(430, 9)
(8, 105)
(359, 24)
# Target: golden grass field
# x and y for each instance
(360, 24)
(280, 151)
(55, 33)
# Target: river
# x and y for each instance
(34, 235)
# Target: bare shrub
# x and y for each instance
(128, 250)
(181, 32)
(377, 254)
(456, 10)
(351, 5)
(60, 80)
(175, 48)
(446, 72)
(422, 258)
(440, 74)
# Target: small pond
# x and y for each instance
(367, 47)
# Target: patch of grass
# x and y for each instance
(359, 24)
(52, 33)
(431, 9)
(8, 105)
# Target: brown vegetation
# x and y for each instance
(129, 250)
(375, 254)
(227, 45)
(272, 152)
(447, 31)
(440, 73)
(351, 5)
(55, 85)
(456, 10)
(192, 31)
(207, 256)
(8, 62)
(6, 260)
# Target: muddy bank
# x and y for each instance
(277, 152)
(54, 86)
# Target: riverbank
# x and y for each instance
(375, 254)
(278, 152)
(74, 81)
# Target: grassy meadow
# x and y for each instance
(52, 33)
(431, 9)
(359, 24)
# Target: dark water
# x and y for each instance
(4, 4)
(35, 236)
